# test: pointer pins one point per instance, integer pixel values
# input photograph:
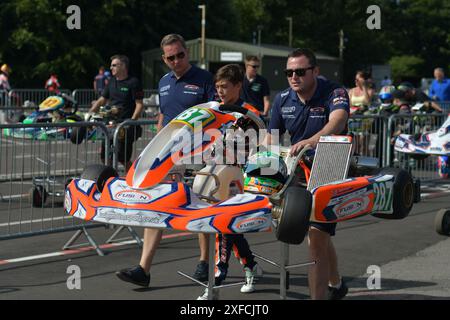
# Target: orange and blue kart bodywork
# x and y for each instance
(144, 199)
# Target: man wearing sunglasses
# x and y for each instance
(184, 86)
(124, 92)
(312, 107)
(255, 88)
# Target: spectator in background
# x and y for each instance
(386, 81)
(362, 94)
(52, 84)
(413, 96)
(255, 89)
(440, 87)
(100, 80)
(186, 85)
(5, 70)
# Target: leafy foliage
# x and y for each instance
(35, 41)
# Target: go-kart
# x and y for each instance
(426, 144)
(109, 115)
(148, 197)
(57, 108)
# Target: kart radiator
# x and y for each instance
(331, 160)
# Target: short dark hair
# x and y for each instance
(172, 38)
(304, 52)
(251, 58)
(230, 72)
(123, 59)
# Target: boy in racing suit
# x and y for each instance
(228, 82)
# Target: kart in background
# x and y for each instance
(429, 143)
(57, 108)
(149, 197)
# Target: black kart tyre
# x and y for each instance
(99, 173)
(293, 223)
(78, 134)
(38, 196)
(403, 194)
(442, 222)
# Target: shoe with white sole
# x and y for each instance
(250, 278)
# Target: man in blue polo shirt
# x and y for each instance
(310, 108)
(440, 87)
(183, 87)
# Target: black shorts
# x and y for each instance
(125, 145)
(329, 228)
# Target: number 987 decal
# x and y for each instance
(383, 192)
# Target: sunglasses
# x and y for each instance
(115, 65)
(178, 56)
(299, 72)
(253, 66)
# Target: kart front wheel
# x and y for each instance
(442, 222)
(293, 221)
(38, 196)
(403, 193)
(99, 173)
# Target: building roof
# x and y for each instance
(248, 48)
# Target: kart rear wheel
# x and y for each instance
(78, 134)
(403, 193)
(38, 196)
(293, 222)
(442, 222)
(99, 173)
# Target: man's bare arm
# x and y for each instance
(100, 102)
(138, 111)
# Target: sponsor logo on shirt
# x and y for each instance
(339, 100)
(317, 112)
(288, 109)
(165, 88)
(256, 87)
(191, 87)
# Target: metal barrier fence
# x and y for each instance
(131, 137)
(33, 175)
(369, 135)
(85, 97)
(17, 97)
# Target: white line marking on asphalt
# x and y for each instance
(15, 223)
(83, 249)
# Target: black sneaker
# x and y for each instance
(337, 294)
(134, 275)
(201, 273)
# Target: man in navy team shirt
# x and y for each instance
(311, 108)
(183, 87)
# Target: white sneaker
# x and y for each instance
(204, 296)
(250, 276)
